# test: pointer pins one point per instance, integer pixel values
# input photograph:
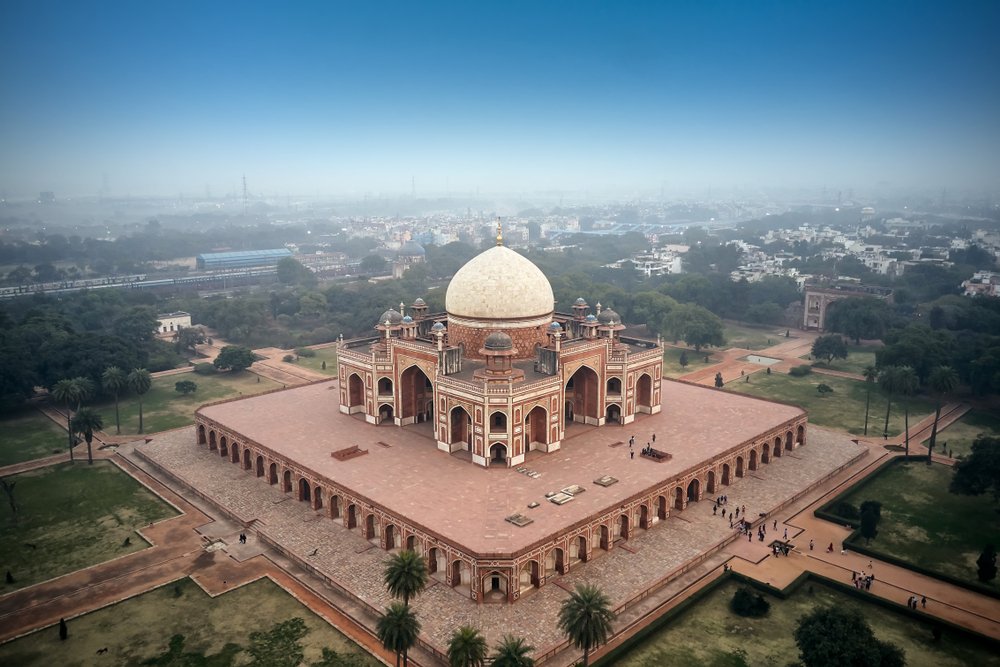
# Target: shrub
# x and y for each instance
(846, 510)
(205, 369)
(824, 389)
(185, 387)
(305, 352)
(800, 371)
(288, 358)
(746, 602)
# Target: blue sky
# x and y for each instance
(352, 98)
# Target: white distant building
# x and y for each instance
(172, 322)
(985, 283)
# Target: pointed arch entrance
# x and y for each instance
(583, 392)
(461, 429)
(355, 393)
(415, 393)
(536, 426)
(694, 491)
(752, 463)
(725, 474)
(498, 454)
(644, 393)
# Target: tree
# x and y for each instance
(85, 422)
(187, 338)
(907, 383)
(372, 264)
(857, 317)
(235, 358)
(512, 652)
(942, 380)
(683, 361)
(467, 648)
(140, 381)
(331, 658)
(829, 347)
(824, 389)
(987, 564)
(695, 325)
(747, 602)
(871, 374)
(398, 630)
(279, 646)
(293, 272)
(405, 575)
(585, 616)
(114, 379)
(71, 391)
(871, 513)
(888, 381)
(839, 636)
(185, 387)
(979, 472)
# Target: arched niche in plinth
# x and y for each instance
(555, 562)
(726, 475)
(752, 460)
(495, 586)
(694, 491)
(498, 455)
(272, 473)
(777, 446)
(710, 482)
(528, 577)
(259, 466)
(201, 436)
(739, 466)
(578, 549)
(788, 441)
(662, 507)
(286, 481)
(800, 435)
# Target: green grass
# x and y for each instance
(959, 436)
(922, 523)
(327, 354)
(858, 358)
(75, 515)
(28, 434)
(709, 634)
(163, 408)
(671, 361)
(140, 628)
(752, 338)
(844, 409)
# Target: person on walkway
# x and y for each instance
(786, 534)
(829, 549)
(810, 545)
(631, 454)
(654, 438)
(715, 510)
(923, 601)
(775, 524)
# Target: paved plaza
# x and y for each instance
(404, 471)
(355, 565)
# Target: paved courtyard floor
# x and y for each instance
(355, 565)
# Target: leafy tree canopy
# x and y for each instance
(234, 358)
(837, 636)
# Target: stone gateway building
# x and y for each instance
(495, 439)
(501, 373)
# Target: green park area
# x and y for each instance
(71, 516)
(326, 355)
(858, 358)
(696, 360)
(164, 408)
(179, 624)
(843, 408)
(959, 436)
(708, 633)
(923, 523)
(28, 434)
(750, 337)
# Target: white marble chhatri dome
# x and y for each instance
(499, 284)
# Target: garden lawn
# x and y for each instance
(28, 434)
(959, 436)
(140, 628)
(750, 337)
(73, 516)
(163, 408)
(327, 354)
(843, 409)
(858, 358)
(922, 523)
(709, 634)
(671, 361)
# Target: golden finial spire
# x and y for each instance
(499, 232)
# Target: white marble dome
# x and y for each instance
(499, 284)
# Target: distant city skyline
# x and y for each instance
(164, 98)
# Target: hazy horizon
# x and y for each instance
(336, 99)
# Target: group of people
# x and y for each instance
(912, 602)
(862, 581)
(645, 451)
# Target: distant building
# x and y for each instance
(172, 322)
(409, 254)
(985, 283)
(819, 298)
(241, 259)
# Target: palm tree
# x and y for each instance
(114, 379)
(888, 381)
(70, 391)
(585, 616)
(942, 380)
(907, 383)
(512, 652)
(86, 421)
(871, 374)
(140, 381)
(405, 575)
(467, 648)
(398, 630)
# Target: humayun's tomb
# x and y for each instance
(494, 438)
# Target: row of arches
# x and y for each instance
(414, 403)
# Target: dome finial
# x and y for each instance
(499, 232)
